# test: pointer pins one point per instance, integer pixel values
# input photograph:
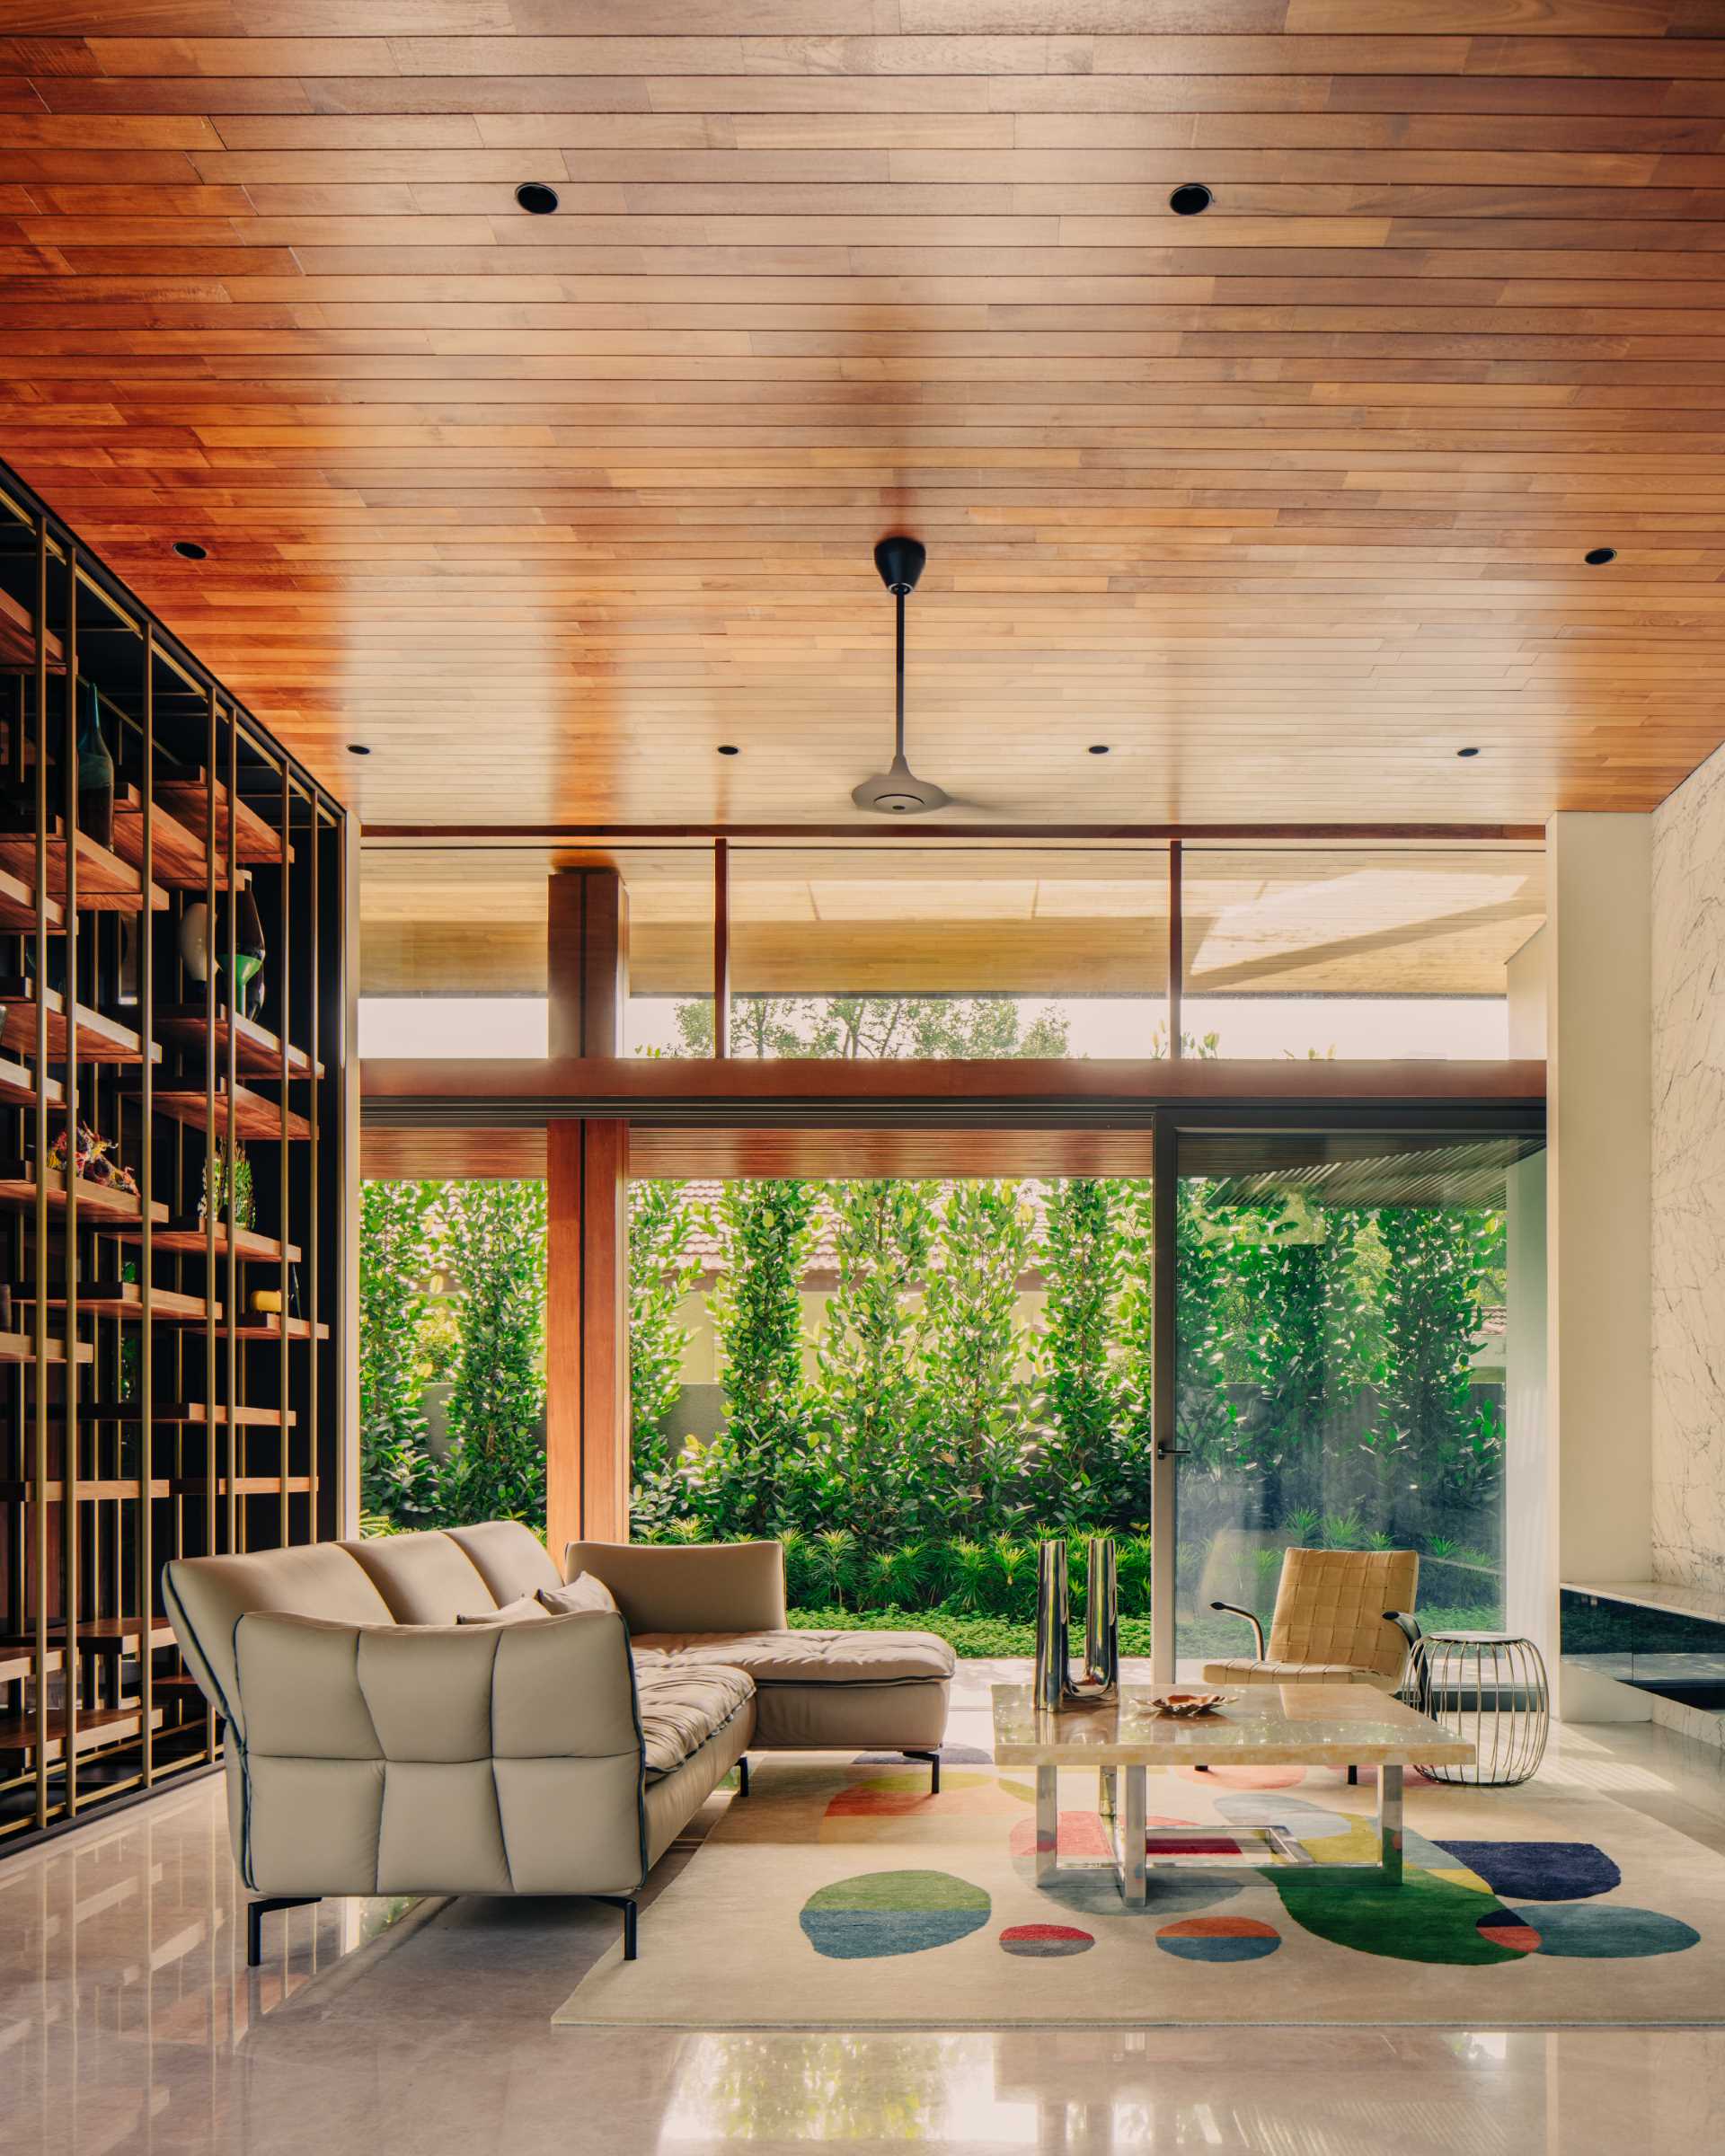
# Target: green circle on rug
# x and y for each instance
(876, 1913)
(1046, 1942)
(1219, 1939)
(1594, 1930)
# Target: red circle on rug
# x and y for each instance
(1505, 1930)
(1218, 1938)
(1046, 1942)
(1250, 1777)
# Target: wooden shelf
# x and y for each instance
(255, 1119)
(186, 1239)
(20, 1347)
(93, 1490)
(18, 639)
(257, 1052)
(247, 1485)
(267, 1327)
(107, 884)
(101, 1038)
(177, 855)
(17, 903)
(188, 799)
(125, 1299)
(192, 1412)
(18, 1086)
(96, 1635)
(96, 1727)
(101, 1203)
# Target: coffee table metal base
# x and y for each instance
(1125, 1824)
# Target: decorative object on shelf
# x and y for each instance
(235, 1205)
(194, 941)
(249, 949)
(95, 770)
(97, 1162)
(294, 1310)
(126, 994)
(1187, 1706)
(1049, 1690)
(1491, 1688)
(266, 1301)
(6, 1306)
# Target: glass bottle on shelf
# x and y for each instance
(95, 772)
(249, 951)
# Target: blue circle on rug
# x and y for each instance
(1537, 1872)
(876, 1913)
(1219, 1939)
(1046, 1942)
(1602, 1931)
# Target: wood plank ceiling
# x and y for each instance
(1285, 502)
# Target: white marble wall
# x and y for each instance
(1688, 1241)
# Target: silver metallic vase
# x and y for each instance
(1101, 1683)
(1052, 1679)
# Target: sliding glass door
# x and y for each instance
(1344, 1364)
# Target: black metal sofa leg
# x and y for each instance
(629, 1906)
(742, 1776)
(933, 1759)
(255, 1912)
(1353, 1778)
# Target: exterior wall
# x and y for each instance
(1689, 1244)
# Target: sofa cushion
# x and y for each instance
(206, 1597)
(1242, 1669)
(787, 1658)
(688, 1586)
(681, 1706)
(585, 1593)
(426, 1578)
(523, 1610)
(508, 1556)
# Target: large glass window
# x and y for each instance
(1341, 1371)
(453, 948)
(1353, 951)
(949, 951)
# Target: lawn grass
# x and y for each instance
(973, 1635)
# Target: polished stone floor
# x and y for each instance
(129, 2023)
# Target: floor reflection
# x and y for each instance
(129, 2023)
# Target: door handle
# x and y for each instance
(1165, 1450)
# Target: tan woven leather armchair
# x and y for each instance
(1341, 1617)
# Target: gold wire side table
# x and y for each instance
(1491, 1689)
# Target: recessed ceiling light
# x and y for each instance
(358, 749)
(1467, 752)
(535, 198)
(1098, 749)
(729, 748)
(1192, 201)
(189, 550)
(1597, 557)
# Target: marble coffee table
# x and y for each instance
(1264, 1725)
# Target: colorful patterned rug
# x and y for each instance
(841, 1895)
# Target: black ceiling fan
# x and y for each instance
(897, 791)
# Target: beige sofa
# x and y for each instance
(382, 1741)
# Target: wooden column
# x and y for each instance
(587, 951)
(586, 1338)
